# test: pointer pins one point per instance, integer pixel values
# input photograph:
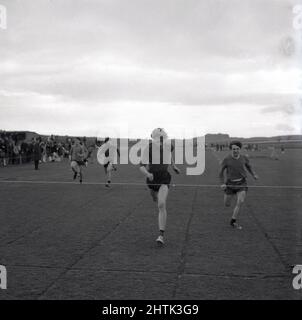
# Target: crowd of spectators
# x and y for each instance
(14, 150)
(225, 146)
(219, 146)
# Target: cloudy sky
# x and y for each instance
(98, 67)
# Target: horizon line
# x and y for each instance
(90, 136)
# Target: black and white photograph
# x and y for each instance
(150, 150)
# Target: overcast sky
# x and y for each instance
(95, 67)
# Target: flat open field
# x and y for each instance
(63, 240)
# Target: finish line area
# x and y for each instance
(128, 184)
(63, 240)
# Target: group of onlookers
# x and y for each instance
(11, 151)
(225, 146)
(14, 151)
(52, 150)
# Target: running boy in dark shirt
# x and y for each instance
(155, 161)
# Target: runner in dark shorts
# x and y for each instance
(234, 186)
(236, 166)
(107, 155)
(78, 153)
(154, 165)
(159, 178)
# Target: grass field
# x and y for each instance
(63, 240)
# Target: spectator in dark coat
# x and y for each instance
(36, 152)
(24, 151)
(2, 152)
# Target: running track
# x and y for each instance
(62, 240)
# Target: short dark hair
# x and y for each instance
(236, 143)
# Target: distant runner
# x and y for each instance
(78, 153)
(107, 154)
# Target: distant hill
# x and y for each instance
(217, 138)
(210, 138)
(225, 138)
(286, 138)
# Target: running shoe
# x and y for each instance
(160, 241)
(235, 225)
